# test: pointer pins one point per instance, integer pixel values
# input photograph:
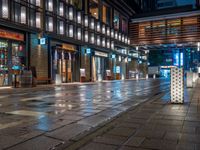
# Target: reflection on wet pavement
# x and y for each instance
(65, 111)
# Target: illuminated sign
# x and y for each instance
(101, 54)
(11, 35)
(88, 50)
(42, 41)
(113, 56)
(69, 47)
(117, 69)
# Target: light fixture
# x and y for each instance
(137, 48)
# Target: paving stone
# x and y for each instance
(131, 148)
(185, 146)
(67, 132)
(98, 146)
(120, 131)
(38, 143)
(135, 141)
(190, 138)
(172, 136)
(150, 134)
(110, 139)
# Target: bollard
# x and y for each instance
(147, 76)
(154, 76)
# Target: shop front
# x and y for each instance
(100, 62)
(12, 56)
(64, 63)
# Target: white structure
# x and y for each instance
(177, 85)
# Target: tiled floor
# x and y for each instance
(154, 125)
(55, 117)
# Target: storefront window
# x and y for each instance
(4, 9)
(94, 8)
(12, 64)
(3, 63)
(116, 20)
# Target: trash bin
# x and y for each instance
(26, 79)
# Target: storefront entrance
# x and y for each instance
(99, 66)
(12, 61)
(63, 65)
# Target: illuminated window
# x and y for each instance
(61, 9)
(86, 36)
(49, 25)
(71, 31)
(79, 33)
(60, 27)
(71, 13)
(92, 38)
(23, 15)
(124, 25)
(116, 20)
(5, 9)
(38, 20)
(94, 8)
(50, 5)
(104, 13)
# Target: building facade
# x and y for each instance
(65, 40)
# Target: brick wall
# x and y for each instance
(38, 56)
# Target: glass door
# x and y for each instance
(3, 63)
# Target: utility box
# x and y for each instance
(177, 85)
